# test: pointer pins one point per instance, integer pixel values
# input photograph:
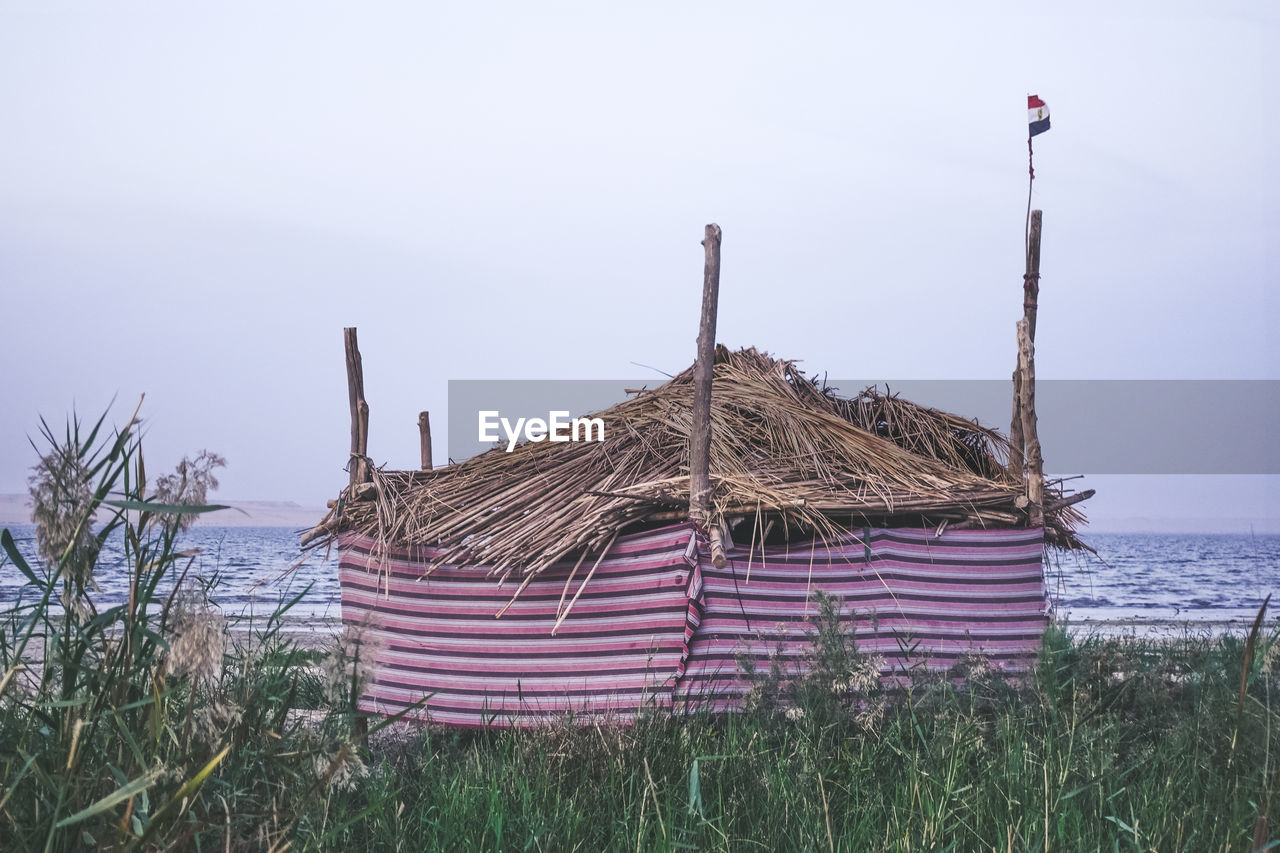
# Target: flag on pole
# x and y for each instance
(1037, 115)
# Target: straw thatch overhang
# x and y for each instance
(789, 458)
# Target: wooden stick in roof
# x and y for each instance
(703, 369)
(359, 408)
(424, 438)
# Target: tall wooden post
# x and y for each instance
(424, 437)
(1031, 281)
(359, 409)
(1035, 462)
(1026, 461)
(703, 369)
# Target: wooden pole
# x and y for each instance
(1017, 442)
(703, 369)
(424, 435)
(1031, 280)
(1035, 462)
(1030, 298)
(359, 408)
(364, 440)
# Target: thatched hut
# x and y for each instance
(516, 586)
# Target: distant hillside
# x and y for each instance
(1260, 525)
(15, 509)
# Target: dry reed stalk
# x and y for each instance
(565, 614)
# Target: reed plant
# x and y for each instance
(138, 725)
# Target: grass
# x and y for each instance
(116, 736)
(1110, 746)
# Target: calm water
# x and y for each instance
(252, 566)
(1166, 576)
(1211, 578)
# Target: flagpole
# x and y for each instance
(1031, 177)
(1017, 438)
(1024, 446)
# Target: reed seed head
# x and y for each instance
(189, 484)
(345, 670)
(342, 769)
(1271, 660)
(214, 716)
(197, 637)
(62, 501)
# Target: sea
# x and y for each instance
(248, 572)
(1136, 582)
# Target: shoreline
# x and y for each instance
(315, 632)
(309, 632)
(1156, 628)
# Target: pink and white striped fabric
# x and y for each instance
(907, 594)
(659, 627)
(622, 647)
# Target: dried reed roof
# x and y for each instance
(784, 449)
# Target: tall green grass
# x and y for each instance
(117, 733)
(1107, 745)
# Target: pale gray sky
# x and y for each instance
(194, 200)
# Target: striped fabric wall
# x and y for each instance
(910, 596)
(622, 646)
(659, 626)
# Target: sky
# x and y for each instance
(195, 199)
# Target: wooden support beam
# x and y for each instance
(329, 524)
(319, 532)
(424, 437)
(359, 409)
(1069, 501)
(718, 558)
(703, 369)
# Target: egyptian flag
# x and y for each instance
(1037, 115)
